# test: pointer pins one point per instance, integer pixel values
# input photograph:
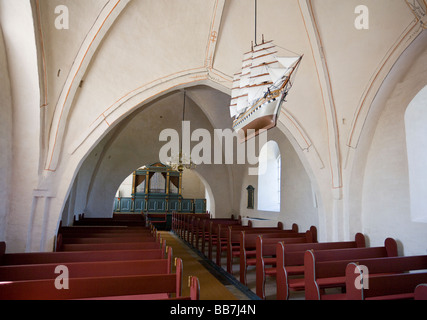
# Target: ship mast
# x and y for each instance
(256, 12)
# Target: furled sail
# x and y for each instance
(263, 78)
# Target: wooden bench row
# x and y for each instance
(102, 240)
(96, 266)
(118, 219)
(266, 256)
(239, 242)
(242, 244)
(302, 264)
(322, 270)
(388, 279)
(122, 280)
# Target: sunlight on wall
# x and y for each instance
(416, 141)
(269, 178)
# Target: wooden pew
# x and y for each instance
(114, 239)
(128, 216)
(226, 241)
(387, 278)
(76, 256)
(246, 248)
(266, 255)
(9, 259)
(111, 246)
(83, 269)
(107, 222)
(290, 262)
(107, 243)
(105, 235)
(248, 253)
(199, 230)
(96, 232)
(319, 273)
(212, 232)
(421, 292)
(184, 224)
(142, 287)
(157, 220)
(203, 236)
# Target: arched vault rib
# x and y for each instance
(410, 34)
(90, 45)
(327, 95)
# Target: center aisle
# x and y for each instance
(212, 285)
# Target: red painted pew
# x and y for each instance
(204, 238)
(224, 232)
(199, 230)
(142, 287)
(185, 225)
(387, 278)
(247, 255)
(88, 240)
(9, 259)
(212, 233)
(111, 246)
(79, 256)
(290, 262)
(319, 272)
(149, 241)
(193, 227)
(248, 247)
(86, 269)
(238, 243)
(266, 255)
(115, 220)
(71, 232)
(421, 292)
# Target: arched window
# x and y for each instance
(416, 143)
(269, 177)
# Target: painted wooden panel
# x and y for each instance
(125, 204)
(160, 203)
(139, 205)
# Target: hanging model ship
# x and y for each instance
(260, 89)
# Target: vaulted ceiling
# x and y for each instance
(130, 51)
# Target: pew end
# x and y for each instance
(397, 286)
(421, 292)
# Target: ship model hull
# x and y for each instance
(260, 89)
(263, 117)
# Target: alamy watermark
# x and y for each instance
(362, 20)
(224, 146)
(362, 280)
(62, 20)
(62, 281)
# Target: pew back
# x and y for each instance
(381, 287)
(140, 287)
(67, 257)
(319, 272)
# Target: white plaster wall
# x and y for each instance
(81, 15)
(386, 210)
(6, 139)
(135, 142)
(18, 30)
(192, 186)
(416, 144)
(125, 189)
(297, 203)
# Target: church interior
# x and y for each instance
(118, 121)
